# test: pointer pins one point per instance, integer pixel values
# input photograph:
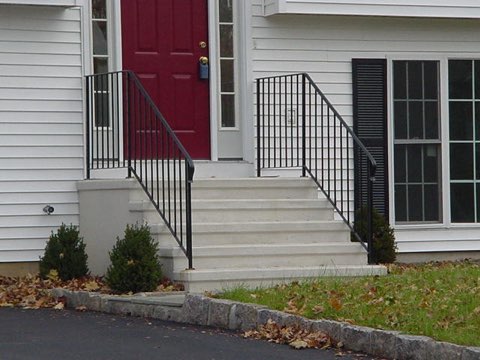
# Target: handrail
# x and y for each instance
(298, 127)
(125, 129)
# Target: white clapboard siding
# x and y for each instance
(423, 8)
(41, 125)
(324, 47)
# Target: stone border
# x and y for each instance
(205, 311)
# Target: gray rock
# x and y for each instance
(219, 313)
(383, 343)
(356, 338)
(330, 327)
(56, 293)
(142, 310)
(94, 303)
(444, 351)
(412, 347)
(120, 307)
(265, 315)
(243, 316)
(168, 313)
(471, 353)
(280, 318)
(195, 309)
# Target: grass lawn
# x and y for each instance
(440, 300)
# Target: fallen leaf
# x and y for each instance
(298, 344)
(59, 306)
(81, 308)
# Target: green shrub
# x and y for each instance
(135, 264)
(65, 254)
(384, 247)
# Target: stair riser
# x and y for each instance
(256, 193)
(213, 239)
(248, 215)
(259, 262)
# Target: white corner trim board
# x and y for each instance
(405, 8)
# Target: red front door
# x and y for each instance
(162, 42)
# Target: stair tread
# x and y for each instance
(259, 273)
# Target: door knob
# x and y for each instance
(203, 60)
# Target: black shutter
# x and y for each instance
(370, 125)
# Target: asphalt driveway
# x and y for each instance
(53, 334)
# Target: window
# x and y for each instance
(100, 60)
(464, 125)
(226, 29)
(417, 142)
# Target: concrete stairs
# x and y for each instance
(256, 232)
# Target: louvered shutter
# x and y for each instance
(370, 125)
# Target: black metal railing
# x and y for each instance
(125, 129)
(297, 127)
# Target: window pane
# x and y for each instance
(225, 10)
(400, 203)
(430, 71)
(400, 80)
(228, 111)
(430, 163)
(431, 203)
(414, 159)
(461, 124)
(478, 202)
(100, 65)
(477, 120)
(415, 203)
(460, 79)
(99, 9)
(400, 116)
(431, 120)
(101, 109)
(226, 41)
(400, 164)
(477, 161)
(477, 79)
(227, 76)
(99, 38)
(461, 160)
(415, 120)
(462, 202)
(415, 87)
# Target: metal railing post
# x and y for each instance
(304, 124)
(370, 180)
(189, 176)
(87, 130)
(129, 125)
(259, 170)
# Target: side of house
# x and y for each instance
(427, 55)
(41, 122)
(431, 71)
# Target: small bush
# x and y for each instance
(384, 247)
(135, 264)
(65, 253)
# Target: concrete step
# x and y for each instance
(218, 279)
(291, 232)
(255, 188)
(267, 255)
(250, 210)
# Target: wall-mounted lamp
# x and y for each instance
(48, 209)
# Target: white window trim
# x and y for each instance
(444, 137)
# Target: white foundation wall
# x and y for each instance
(41, 125)
(324, 47)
